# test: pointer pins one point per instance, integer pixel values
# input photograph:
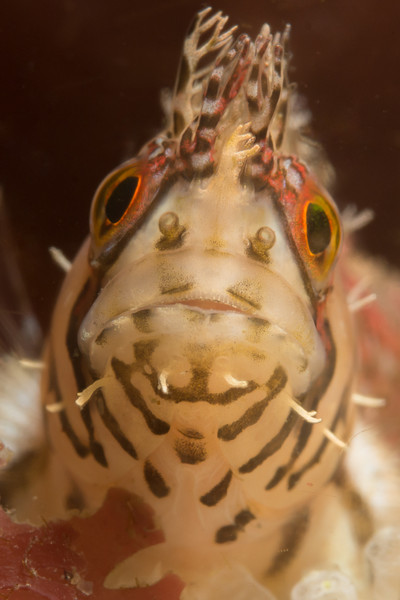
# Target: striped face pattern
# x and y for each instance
(201, 355)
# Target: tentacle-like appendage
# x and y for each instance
(334, 439)
(224, 83)
(257, 86)
(267, 93)
(267, 86)
(60, 259)
(280, 89)
(368, 401)
(197, 61)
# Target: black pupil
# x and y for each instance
(318, 229)
(120, 198)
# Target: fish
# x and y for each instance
(202, 355)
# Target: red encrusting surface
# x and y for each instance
(68, 560)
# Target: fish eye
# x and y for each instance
(318, 229)
(120, 198)
(318, 233)
(117, 203)
(315, 227)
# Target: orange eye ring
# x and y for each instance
(318, 227)
(320, 236)
(117, 197)
(315, 226)
(121, 197)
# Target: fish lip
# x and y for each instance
(204, 304)
(221, 304)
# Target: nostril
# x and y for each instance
(168, 223)
(266, 237)
(261, 243)
(172, 231)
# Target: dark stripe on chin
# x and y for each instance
(113, 426)
(293, 534)
(229, 533)
(312, 399)
(67, 428)
(356, 507)
(272, 446)
(196, 390)
(276, 383)
(82, 377)
(218, 492)
(155, 481)
(81, 306)
(295, 477)
(80, 448)
(226, 534)
(122, 372)
(95, 447)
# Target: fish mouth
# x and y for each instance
(227, 290)
(211, 305)
(206, 305)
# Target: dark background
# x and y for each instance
(80, 84)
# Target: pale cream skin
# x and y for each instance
(210, 309)
(214, 259)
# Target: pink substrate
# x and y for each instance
(68, 560)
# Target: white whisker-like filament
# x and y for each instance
(353, 220)
(334, 439)
(358, 289)
(60, 259)
(368, 401)
(86, 395)
(56, 407)
(308, 416)
(32, 364)
(237, 383)
(162, 382)
(361, 303)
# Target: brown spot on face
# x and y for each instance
(172, 280)
(144, 351)
(257, 329)
(184, 287)
(102, 338)
(257, 356)
(141, 321)
(190, 452)
(246, 291)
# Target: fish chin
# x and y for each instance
(171, 343)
